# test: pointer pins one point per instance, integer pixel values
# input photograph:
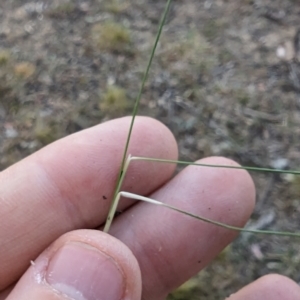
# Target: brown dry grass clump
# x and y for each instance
(24, 69)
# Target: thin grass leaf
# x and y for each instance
(255, 169)
(223, 225)
(134, 113)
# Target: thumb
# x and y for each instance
(82, 265)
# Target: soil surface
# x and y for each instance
(226, 80)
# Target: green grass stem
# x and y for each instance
(134, 113)
(255, 169)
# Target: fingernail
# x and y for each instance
(83, 272)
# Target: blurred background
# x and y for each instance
(225, 79)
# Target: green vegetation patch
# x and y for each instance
(187, 56)
(62, 11)
(114, 100)
(4, 57)
(111, 36)
(116, 6)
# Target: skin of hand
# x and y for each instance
(52, 201)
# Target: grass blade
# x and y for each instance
(230, 227)
(255, 169)
(134, 113)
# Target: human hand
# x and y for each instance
(55, 196)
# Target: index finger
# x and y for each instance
(69, 185)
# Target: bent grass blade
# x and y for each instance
(216, 223)
(126, 161)
(234, 228)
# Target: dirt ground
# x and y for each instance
(226, 80)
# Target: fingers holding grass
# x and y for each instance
(171, 247)
(69, 185)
